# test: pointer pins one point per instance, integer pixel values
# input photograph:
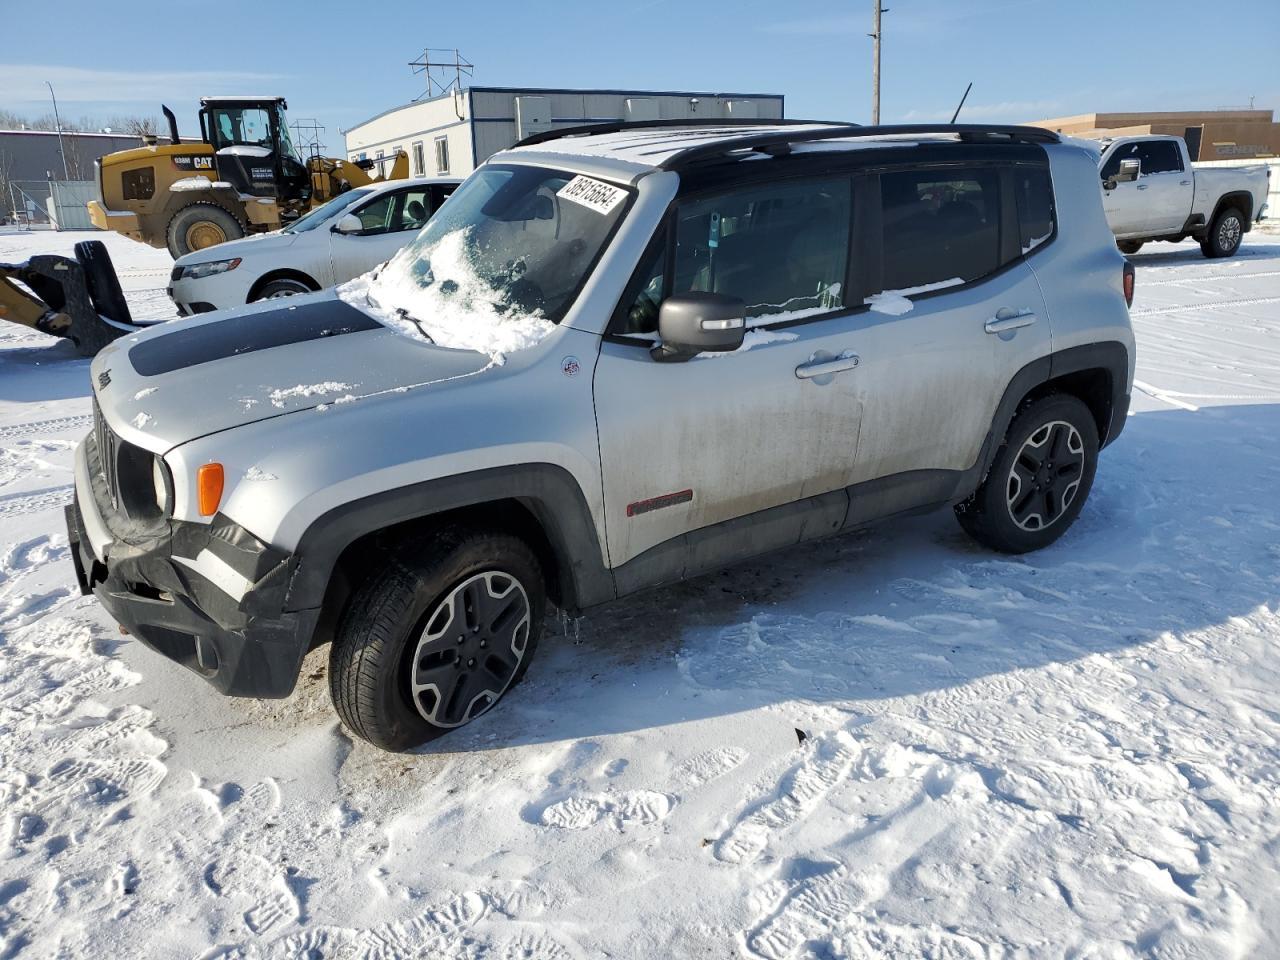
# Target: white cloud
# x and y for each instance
(1009, 111)
(25, 84)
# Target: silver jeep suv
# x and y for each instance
(618, 356)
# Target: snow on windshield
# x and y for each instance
(459, 312)
(499, 265)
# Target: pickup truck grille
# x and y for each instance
(108, 446)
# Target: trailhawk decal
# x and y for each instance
(657, 503)
(594, 194)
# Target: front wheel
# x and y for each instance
(1039, 479)
(1225, 234)
(281, 288)
(1129, 247)
(435, 636)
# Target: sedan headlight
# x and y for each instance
(196, 271)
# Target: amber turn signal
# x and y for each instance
(209, 488)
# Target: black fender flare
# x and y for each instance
(1111, 356)
(549, 492)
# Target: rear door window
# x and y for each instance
(939, 226)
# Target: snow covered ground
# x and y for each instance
(1074, 753)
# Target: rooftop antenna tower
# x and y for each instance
(443, 68)
(306, 137)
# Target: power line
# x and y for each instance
(438, 59)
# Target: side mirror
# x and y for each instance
(1129, 171)
(693, 323)
(348, 223)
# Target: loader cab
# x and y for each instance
(250, 139)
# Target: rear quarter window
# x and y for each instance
(1033, 191)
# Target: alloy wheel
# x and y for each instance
(470, 649)
(1229, 232)
(1045, 475)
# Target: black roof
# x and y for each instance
(776, 137)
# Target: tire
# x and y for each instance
(402, 619)
(1002, 513)
(1225, 234)
(281, 288)
(103, 284)
(1129, 247)
(199, 226)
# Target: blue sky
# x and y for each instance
(1027, 58)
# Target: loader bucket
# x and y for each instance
(78, 299)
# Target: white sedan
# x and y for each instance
(348, 236)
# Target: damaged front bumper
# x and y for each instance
(208, 596)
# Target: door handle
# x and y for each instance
(1142, 186)
(1184, 183)
(824, 368)
(1006, 319)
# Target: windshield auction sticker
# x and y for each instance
(600, 197)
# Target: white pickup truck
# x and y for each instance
(1150, 191)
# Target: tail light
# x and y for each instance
(1129, 276)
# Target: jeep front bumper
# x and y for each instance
(210, 597)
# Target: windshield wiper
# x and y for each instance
(406, 315)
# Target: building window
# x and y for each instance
(442, 154)
(419, 160)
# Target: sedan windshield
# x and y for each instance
(503, 259)
(325, 211)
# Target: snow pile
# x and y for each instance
(305, 391)
(451, 306)
(895, 303)
(198, 183)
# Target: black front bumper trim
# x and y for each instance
(253, 649)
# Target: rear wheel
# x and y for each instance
(1039, 479)
(436, 636)
(1225, 234)
(1129, 246)
(199, 226)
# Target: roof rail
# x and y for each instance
(779, 142)
(618, 126)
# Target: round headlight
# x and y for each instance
(160, 478)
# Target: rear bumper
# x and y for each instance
(121, 221)
(175, 592)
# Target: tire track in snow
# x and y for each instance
(56, 425)
(21, 504)
(1212, 305)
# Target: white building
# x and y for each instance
(456, 131)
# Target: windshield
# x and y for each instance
(510, 249)
(325, 211)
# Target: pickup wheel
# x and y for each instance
(1128, 247)
(435, 636)
(1225, 234)
(1039, 479)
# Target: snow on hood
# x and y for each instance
(457, 311)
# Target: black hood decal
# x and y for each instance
(248, 334)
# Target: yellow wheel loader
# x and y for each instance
(243, 177)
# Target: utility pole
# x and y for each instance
(875, 61)
(58, 123)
